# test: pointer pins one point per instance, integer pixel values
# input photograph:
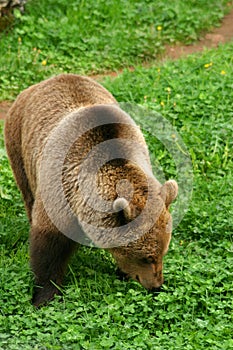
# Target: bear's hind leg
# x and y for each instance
(49, 253)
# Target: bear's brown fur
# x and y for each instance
(126, 181)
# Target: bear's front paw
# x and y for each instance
(42, 295)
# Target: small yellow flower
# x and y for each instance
(145, 97)
(44, 62)
(169, 90)
(158, 70)
(19, 40)
(159, 28)
(223, 72)
(162, 103)
(207, 65)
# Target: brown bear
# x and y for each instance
(83, 168)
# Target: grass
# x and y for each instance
(97, 311)
(95, 36)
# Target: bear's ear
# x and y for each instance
(121, 204)
(169, 191)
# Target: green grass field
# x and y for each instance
(98, 311)
(95, 36)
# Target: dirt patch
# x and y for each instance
(218, 36)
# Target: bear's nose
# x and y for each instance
(156, 290)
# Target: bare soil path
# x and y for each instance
(219, 35)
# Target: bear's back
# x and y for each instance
(49, 101)
(40, 108)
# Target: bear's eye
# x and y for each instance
(148, 260)
(145, 191)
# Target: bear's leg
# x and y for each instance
(49, 253)
(13, 146)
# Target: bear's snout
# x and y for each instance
(156, 290)
(152, 284)
(146, 276)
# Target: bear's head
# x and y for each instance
(142, 259)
